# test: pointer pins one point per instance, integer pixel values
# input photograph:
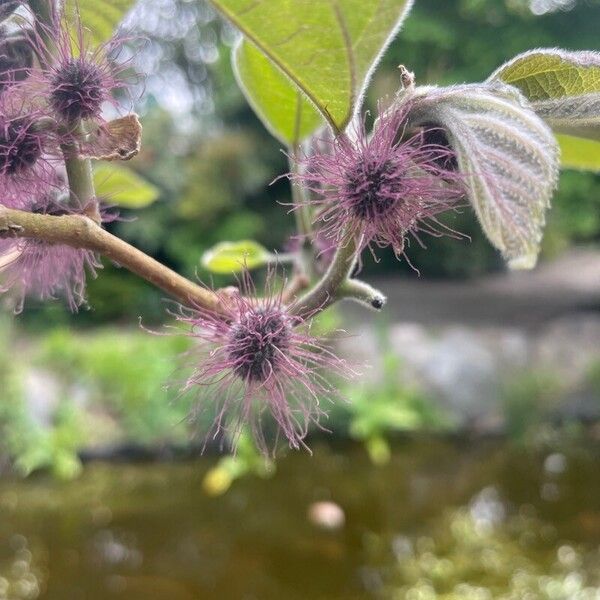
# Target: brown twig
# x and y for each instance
(81, 232)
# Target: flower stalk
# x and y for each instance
(324, 293)
(304, 228)
(81, 178)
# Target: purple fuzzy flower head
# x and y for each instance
(30, 267)
(257, 359)
(21, 145)
(27, 146)
(380, 188)
(78, 80)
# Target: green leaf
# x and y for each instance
(508, 155)
(580, 154)
(99, 17)
(547, 74)
(123, 186)
(234, 257)
(284, 110)
(327, 49)
(563, 87)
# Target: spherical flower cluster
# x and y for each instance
(257, 358)
(379, 188)
(28, 147)
(75, 80)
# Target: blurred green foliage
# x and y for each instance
(528, 399)
(390, 405)
(123, 187)
(99, 16)
(30, 442)
(125, 374)
(101, 389)
(236, 257)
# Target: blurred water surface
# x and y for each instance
(442, 520)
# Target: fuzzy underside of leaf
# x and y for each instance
(507, 154)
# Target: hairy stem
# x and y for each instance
(302, 211)
(81, 179)
(82, 232)
(303, 221)
(325, 291)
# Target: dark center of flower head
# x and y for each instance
(20, 146)
(78, 90)
(256, 342)
(372, 188)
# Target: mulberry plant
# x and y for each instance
(354, 188)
